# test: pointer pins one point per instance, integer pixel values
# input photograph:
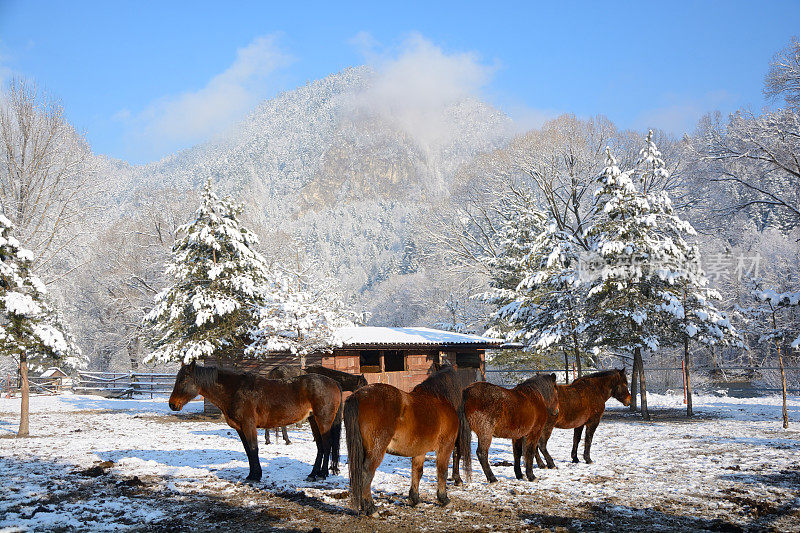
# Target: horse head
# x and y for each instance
(185, 388)
(620, 389)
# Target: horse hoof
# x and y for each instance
(575, 460)
(458, 482)
(414, 499)
(253, 478)
(311, 478)
(443, 500)
(531, 478)
(288, 442)
(493, 480)
(589, 461)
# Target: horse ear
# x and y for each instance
(553, 377)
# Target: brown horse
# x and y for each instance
(380, 418)
(249, 401)
(519, 414)
(582, 403)
(346, 381)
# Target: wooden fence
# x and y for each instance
(123, 384)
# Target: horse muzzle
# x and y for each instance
(627, 401)
(175, 406)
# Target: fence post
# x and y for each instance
(683, 368)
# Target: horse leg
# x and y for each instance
(532, 445)
(457, 481)
(576, 439)
(371, 464)
(250, 442)
(285, 436)
(591, 426)
(316, 471)
(543, 447)
(517, 444)
(442, 458)
(483, 456)
(416, 473)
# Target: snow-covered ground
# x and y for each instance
(101, 464)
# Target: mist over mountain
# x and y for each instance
(337, 166)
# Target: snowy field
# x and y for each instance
(100, 464)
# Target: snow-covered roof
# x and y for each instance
(370, 335)
(53, 372)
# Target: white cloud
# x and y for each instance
(175, 121)
(681, 114)
(415, 83)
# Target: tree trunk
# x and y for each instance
(637, 358)
(25, 392)
(133, 352)
(783, 374)
(566, 367)
(686, 376)
(634, 385)
(578, 360)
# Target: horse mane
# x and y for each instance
(599, 374)
(205, 376)
(544, 383)
(445, 383)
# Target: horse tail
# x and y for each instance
(336, 434)
(356, 457)
(464, 442)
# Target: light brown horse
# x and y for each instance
(519, 414)
(380, 418)
(249, 401)
(582, 403)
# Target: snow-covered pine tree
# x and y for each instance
(219, 282)
(688, 300)
(547, 313)
(31, 330)
(508, 265)
(775, 302)
(633, 302)
(299, 315)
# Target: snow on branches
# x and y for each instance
(31, 329)
(226, 300)
(217, 286)
(649, 285)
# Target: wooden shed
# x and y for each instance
(402, 357)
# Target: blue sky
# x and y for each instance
(143, 79)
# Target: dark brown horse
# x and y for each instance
(380, 418)
(519, 414)
(249, 401)
(582, 403)
(346, 381)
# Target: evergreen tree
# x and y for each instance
(778, 334)
(687, 298)
(31, 330)
(219, 283)
(644, 257)
(300, 315)
(548, 311)
(510, 263)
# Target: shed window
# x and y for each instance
(468, 360)
(394, 360)
(370, 361)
